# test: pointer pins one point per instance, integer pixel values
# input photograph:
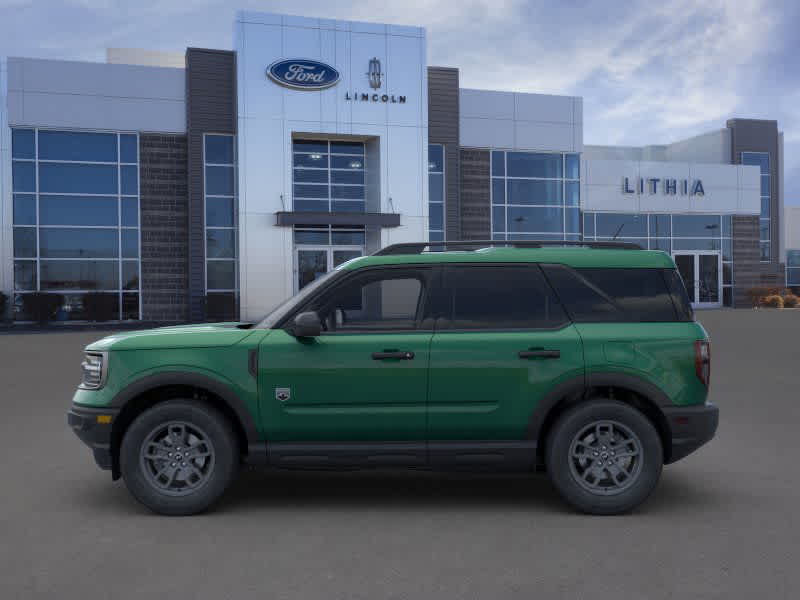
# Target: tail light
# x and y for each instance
(702, 361)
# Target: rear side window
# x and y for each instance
(499, 297)
(615, 295)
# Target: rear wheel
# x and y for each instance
(178, 457)
(604, 457)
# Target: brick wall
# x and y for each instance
(165, 227)
(476, 218)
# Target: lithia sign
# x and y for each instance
(667, 186)
(306, 74)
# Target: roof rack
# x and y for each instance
(419, 247)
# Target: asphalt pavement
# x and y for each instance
(723, 523)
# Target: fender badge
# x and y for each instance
(282, 394)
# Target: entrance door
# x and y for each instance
(314, 261)
(702, 275)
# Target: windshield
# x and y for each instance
(288, 305)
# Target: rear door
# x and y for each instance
(502, 342)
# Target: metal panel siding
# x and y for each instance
(476, 218)
(210, 108)
(443, 128)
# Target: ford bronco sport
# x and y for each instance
(583, 359)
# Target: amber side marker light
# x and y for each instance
(104, 419)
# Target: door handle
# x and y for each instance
(540, 353)
(396, 354)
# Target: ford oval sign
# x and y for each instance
(303, 74)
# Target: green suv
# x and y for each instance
(581, 359)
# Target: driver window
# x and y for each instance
(377, 302)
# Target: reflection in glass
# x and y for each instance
(66, 178)
(219, 149)
(77, 146)
(220, 243)
(79, 275)
(77, 210)
(25, 242)
(24, 209)
(221, 274)
(57, 242)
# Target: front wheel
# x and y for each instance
(178, 457)
(604, 457)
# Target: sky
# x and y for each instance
(649, 72)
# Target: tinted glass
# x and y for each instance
(219, 181)
(73, 145)
(588, 225)
(220, 243)
(310, 146)
(373, 302)
(621, 225)
(130, 275)
(77, 210)
(572, 220)
(499, 297)
(128, 151)
(347, 192)
(77, 179)
(696, 225)
(317, 161)
(759, 159)
(530, 164)
(130, 212)
(348, 238)
(310, 191)
(498, 163)
(311, 205)
(23, 176)
(613, 295)
(130, 243)
(436, 187)
(79, 275)
(531, 191)
(498, 218)
(25, 242)
(348, 206)
(24, 209)
(680, 299)
(435, 158)
(573, 166)
(24, 275)
(726, 225)
(660, 226)
(129, 184)
(221, 274)
(347, 148)
(311, 175)
(130, 306)
(345, 162)
(23, 144)
(311, 237)
(219, 212)
(436, 216)
(498, 191)
(572, 193)
(695, 244)
(524, 219)
(351, 176)
(78, 243)
(219, 149)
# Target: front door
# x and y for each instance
(314, 261)
(366, 377)
(501, 343)
(702, 274)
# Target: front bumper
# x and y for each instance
(94, 432)
(691, 426)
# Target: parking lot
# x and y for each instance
(724, 523)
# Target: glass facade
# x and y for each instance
(793, 268)
(76, 220)
(761, 160)
(222, 277)
(436, 192)
(320, 248)
(328, 176)
(535, 196)
(671, 233)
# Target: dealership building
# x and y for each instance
(213, 184)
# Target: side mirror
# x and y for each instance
(307, 324)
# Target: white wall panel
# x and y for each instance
(539, 135)
(486, 133)
(6, 204)
(486, 104)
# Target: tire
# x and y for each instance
(627, 447)
(165, 433)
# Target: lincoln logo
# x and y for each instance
(301, 74)
(374, 74)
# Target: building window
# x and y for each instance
(436, 192)
(535, 196)
(76, 222)
(793, 268)
(328, 176)
(761, 160)
(321, 248)
(222, 281)
(669, 232)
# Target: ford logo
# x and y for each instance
(303, 74)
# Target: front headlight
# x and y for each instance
(93, 370)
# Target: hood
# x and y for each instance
(206, 335)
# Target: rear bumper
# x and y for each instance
(83, 421)
(691, 426)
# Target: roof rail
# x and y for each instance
(419, 247)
